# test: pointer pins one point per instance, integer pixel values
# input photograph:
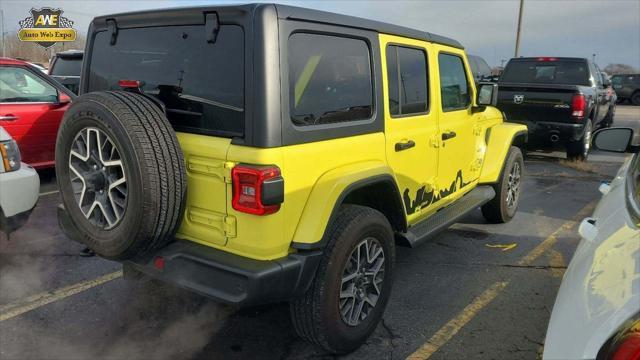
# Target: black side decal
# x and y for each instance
(424, 198)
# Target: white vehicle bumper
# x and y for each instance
(18, 196)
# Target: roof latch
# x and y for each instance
(113, 30)
(211, 27)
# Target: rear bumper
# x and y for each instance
(220, 275)
(227, 277)
(542, 131)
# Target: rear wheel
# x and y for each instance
(635, 98)
(348, 296)
(579, 150)
(608, 119)
(121, 173)
(504, 205)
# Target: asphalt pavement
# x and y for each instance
(476, 291)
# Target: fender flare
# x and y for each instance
(311, 231)
(500, 138)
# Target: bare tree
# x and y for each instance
(613, 69)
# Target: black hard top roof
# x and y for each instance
(559, 58)
(317, 16)
(75, 54)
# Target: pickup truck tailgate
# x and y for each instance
(533, 103)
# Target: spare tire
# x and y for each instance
(121, 173)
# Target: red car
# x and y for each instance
(31, 108)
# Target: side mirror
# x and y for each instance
(614, 140)
(487, 95)
(63, 98)
(606, 82)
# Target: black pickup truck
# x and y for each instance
(561, 100)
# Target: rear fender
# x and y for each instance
(327, 195)
(499, 139)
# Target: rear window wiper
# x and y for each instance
(210, 102)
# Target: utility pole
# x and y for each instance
(519, 26)
(2, 31)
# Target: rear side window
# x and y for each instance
(568, 72)
(329, 79)
(454, 87)
(200, 83)
(67, 67)
(407, 77)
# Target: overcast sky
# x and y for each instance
(608, 28)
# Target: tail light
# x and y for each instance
(545, 58)
(628, 348)
(578, 106)
(257, 190)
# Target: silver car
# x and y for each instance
(597, 311)
(19, 186)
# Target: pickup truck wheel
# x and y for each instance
(579, 150)
(635, 98)
(347, 298)
(503, 206)
(121, 173)
(608, 119)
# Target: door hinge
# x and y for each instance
(226, 171)
(229, 226)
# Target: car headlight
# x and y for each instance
(10, 155)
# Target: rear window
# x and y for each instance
(329, 79)
(200, 83)
(67, 67)
(547, 72)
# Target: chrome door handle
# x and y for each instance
(8, 117)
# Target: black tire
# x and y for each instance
(608, 119)
(501, 209)
(635, 98)
(579, 150)
(150, 161)
(317, 315)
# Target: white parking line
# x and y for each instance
(49, 193)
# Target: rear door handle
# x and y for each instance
(448, 135)
(405, 145)
(8, 117)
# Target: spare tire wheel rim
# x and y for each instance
(98, 180)
(362, 280)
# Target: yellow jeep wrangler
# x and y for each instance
(262, 153)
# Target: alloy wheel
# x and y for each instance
(513, 185)
(98, 178)
(362, 280)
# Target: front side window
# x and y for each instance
(329, 79)
(20, 85)
(454, 88)
(407, 78)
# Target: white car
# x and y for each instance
(19, 186)
(597, 311)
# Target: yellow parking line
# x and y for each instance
(33, 302)
(451, 328)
